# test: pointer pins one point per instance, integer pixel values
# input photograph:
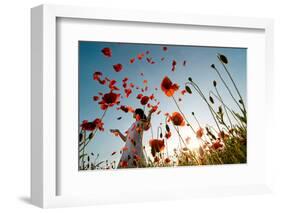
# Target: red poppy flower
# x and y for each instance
(87, 126)
(165, 48)
(118, 67)
(123, 164)
(97, 75)
(96, 98)
(167, 160)
(107, 52)
(168, 135)
(156, 145)
(156, 159)
(99, 124)
(177, 119)
(199, 132)
(132, 60)
(154, 108)
(168, 87)
(139, 96)
(128, 92)
(91, 126)
(217, 144)
(144, 100)
(109, 100)
(137, 157)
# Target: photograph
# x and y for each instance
(145, 105)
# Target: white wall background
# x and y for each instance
(15, 104)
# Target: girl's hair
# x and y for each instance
(140, 112)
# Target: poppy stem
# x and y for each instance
(183, 114)
(83, 154)
(176, 128)
(196, 120)
(224, 107)
(94, 132)
(145, 155)
(229, 91)
(232, 80)
(233, 115)
(151, 130)
(196, 87)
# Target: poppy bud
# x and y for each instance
(223, 58)
(167, 128)
(211, 100)
(213, 66)
(161, 135)
(214, 83)
(91, 135)
(88, 158)
(190, 79)
(240, 101)
(80, 137)
(220, 110)
(187, 88)
(192, 113)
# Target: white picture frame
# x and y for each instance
(44, 169)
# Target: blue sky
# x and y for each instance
(198, 61)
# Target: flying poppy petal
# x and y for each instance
(132, 60)
(107, 52)
(118, 67)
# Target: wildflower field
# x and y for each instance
(194, 97)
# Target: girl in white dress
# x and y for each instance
(133, 155)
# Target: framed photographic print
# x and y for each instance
(158, 104)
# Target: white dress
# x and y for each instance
(133, 156)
